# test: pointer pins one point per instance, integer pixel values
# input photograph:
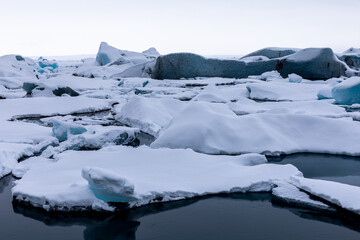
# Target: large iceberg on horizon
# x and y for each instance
(108, 54)
(309, 63)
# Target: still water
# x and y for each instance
(235, 216)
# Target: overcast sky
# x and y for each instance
(208, 27)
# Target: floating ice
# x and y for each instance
(44, 63)
(294, 78)
(107, 185)
(347, 92)
(272, 52)
(150, 115)
(342, 195)
(108, 54)
(283, 91)
(158, 175)
(310, 63)
(351, 57)
(62, 130)
(215, 129)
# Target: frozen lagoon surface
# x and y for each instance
(222, 152)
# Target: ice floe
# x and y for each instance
(142, 176)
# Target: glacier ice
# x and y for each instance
(313, 63)
(157, 175)
(107, 185)
(62, 130)
(351, 57)
(272, 52)
(347, 92)
(45, 63)
(294, 78)
(150, 115)
(264, 133)
(188, 65)
(310, 63)
(108, 54)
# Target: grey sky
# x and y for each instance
(40, 27)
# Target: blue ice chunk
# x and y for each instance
(62, 130)
(294, 78)
(107, 185)
(347, 92)
(145, 83)
(44, 63)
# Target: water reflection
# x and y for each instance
(343, 169)
(125, 225)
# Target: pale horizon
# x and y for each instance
(49, 28)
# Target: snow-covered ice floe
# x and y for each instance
(215, 129)
(88, 179)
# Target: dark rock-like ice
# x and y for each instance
(310, 63)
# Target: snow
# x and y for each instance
(347, 92)
(294, 78)
(23, 107)
(342, 195)
(272, 52)
(314, 108)
(292, 195)
(194, 127)
(283, 91)
(150, 115)
(174, 175)
(9, 154)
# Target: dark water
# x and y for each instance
(235, 216)
(328, 167)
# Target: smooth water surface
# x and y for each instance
(335, 168)
(235, 216)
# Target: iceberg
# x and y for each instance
(272, 52)
(107, 185)
(310, 63)
(265, 133)
(110, 55)
(313, 64)
(347, 92)
(188, 65)
(44, 63)
(62, 131)
(351, 57)
(150, 115)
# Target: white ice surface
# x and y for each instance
(342, 195)
(42, 106)
(156, 174)
(215, 129)
(150, 115)
(285, 91)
